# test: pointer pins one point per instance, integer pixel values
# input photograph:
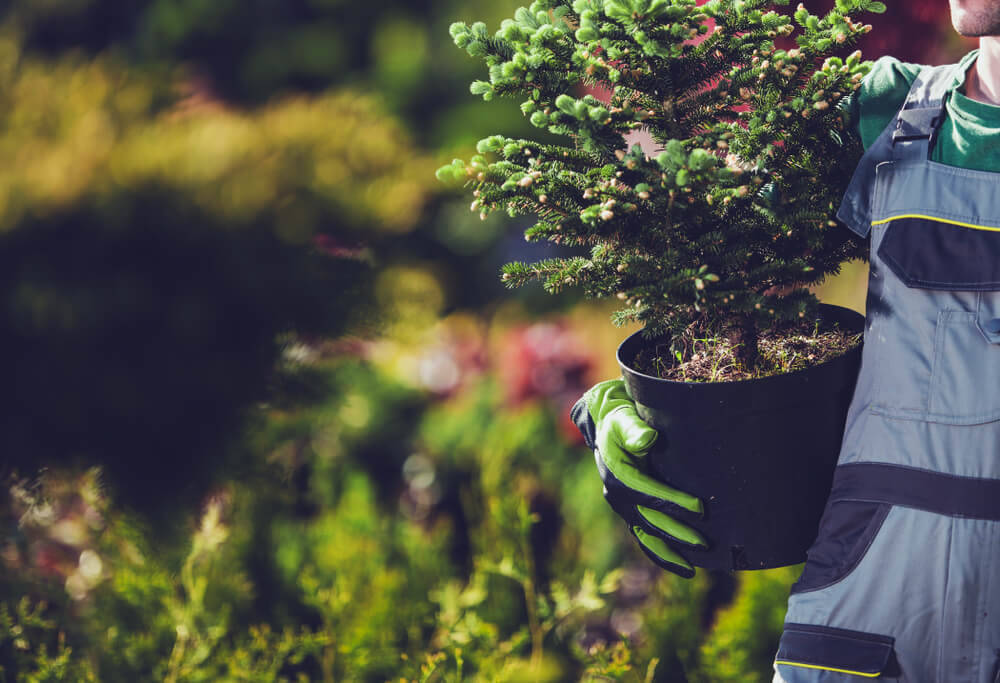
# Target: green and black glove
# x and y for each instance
(612, 428)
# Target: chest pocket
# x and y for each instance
(931, 253)
(934, 254)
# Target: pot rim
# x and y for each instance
(794, 375)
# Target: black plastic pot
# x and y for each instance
(760, 453)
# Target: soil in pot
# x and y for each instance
(785, 348)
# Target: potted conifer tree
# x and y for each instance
(711, 244)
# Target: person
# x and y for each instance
(901, 582)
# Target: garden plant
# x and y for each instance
(718, 236)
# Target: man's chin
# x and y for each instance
(968, 33)
(975, 24)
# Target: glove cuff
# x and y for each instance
(580, 414)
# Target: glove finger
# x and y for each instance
(634, 435)
(661, 554)
(621, 466)
(662, 524)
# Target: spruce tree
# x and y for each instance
(739, 205)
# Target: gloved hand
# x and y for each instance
(619, 438)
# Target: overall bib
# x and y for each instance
(903, 580)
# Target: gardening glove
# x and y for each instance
(620, 439)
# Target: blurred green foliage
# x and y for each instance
(464, 559)
(152, 249)
(251, 51)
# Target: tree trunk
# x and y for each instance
(743, 336)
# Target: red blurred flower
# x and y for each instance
(546, 361)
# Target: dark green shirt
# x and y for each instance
(969, 136)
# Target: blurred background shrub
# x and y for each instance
(270, 414)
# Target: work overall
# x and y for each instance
(903, 580)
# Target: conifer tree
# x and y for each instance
(740, 202)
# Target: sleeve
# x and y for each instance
(872, 107)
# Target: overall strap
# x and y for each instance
(919, 121)
(908, 137)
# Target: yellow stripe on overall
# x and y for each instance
(938, 220)
(828, 668)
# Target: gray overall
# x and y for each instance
(903, 580)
